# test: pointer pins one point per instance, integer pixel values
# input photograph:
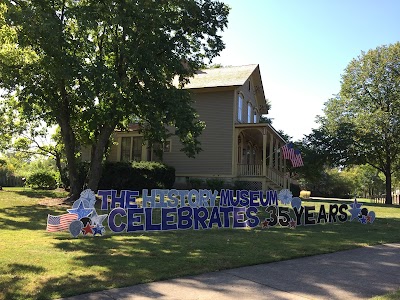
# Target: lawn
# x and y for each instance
(35, 264)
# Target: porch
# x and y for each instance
(259, 157)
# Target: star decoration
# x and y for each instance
(87, 229)
(81, 211)
(285, 196)
(88, 196)
(265, 224)
(355, 209)
(292, 223)
(363, 220)
(98, 229)
(97, 219)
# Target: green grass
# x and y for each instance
(389, 296)
(35, 264)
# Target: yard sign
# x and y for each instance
(162, 210)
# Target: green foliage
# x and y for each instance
(42, 180)
(214, 184)
(89, 66)
(295, 189)
(196, 183)
(82, 175)
(136, 176)
(330, 183)
(365, 180)
(361, 125)
(239, 185)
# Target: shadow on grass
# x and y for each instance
(39, 194)
(130, 259)
(13, 279)
(27, 217)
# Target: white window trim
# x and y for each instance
(170, 146)
(249, 113)
(240, 107)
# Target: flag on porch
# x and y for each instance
(288, 151)
(294, 155)
(297, 160)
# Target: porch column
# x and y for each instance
(271, 150)
(280, 158)
(264, 157)
(276, 155)
(235, 153)
(285, 180)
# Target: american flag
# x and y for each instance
(59, 223)
(297, 160)
(288, 151)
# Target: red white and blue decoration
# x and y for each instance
(198, 209)
(81, 219)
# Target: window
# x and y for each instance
(126, 149)
(131, 148)
(249, 113)
(240, 108)
(167, 147)
(255, 117)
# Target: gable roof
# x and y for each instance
(221, 77)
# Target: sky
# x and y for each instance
(303, 47)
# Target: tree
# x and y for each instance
(364, 120)
(94, 65)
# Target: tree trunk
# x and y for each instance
(69, 139)
(57, 156)
(388, 199)
(97, 155)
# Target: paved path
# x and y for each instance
(354, 274)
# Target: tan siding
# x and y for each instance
(249, 97)
(113, 155)
(216, 110)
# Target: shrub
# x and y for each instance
(214, 184)
(239, 185)
(83, 169)
(42, 180)
(136, 176)
(305, 194)
(196, 183)
(295, 189)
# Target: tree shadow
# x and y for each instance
(13, 279)
(27, 217)
(39, 194)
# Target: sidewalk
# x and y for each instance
(353, 274)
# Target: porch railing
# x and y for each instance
(250, 170)
(257, 170)
(276, 176)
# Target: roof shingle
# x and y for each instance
(221, 77)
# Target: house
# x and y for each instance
(236, 146)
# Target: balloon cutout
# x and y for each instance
(75, 228)
(296, 202)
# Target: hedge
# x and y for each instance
(131, 175)
(136, 176)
